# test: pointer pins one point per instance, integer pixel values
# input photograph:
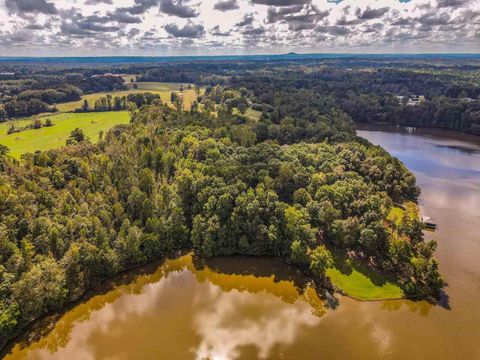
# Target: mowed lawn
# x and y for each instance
(397, 214)
(361, 282)
(160, 88)
(360, 286)
(47, 138)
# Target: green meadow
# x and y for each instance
(250, 113)
(157, 86)
(47, 138)
(253, 114)
(160, 88)
(397, 214)
(361, 282)
(65, 121)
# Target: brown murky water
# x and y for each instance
(258, 308)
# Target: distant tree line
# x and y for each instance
(117, 103)
(34, 125)
(38, 94)
(372, 96)
(364, 88)
(22, 108)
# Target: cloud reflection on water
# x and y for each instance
(181, 312)
(230, 321)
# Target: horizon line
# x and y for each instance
(242, 55)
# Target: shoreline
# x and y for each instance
(438, 132)
(127, 276)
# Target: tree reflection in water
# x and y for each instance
(218, 308)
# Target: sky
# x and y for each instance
(230, 27)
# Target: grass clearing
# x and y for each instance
(249, 113)
(92, 123)
(253, 114)
(47, 138)
(361, 282)
(397, 213)
(412, 209)
(129, 77)
(91, 98)
(160, 88)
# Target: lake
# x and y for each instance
(250, 308)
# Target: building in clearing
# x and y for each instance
(107, 75)
(415, 100)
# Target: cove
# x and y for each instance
(219, 308)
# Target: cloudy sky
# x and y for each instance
(212, 27)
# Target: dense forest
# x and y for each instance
(376, 95)
(369, 90)
(295, 184)
(374, 90)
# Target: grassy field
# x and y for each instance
(360, 282)
(91, 123)
(129, 77)
(55, 136)
(160, 88)
(397, 214)
(250, 113)
(253, 114)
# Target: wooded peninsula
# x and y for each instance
(220, 178)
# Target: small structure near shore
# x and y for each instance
(413, 100)
(429, 222)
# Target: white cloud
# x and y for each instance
(103, 27)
